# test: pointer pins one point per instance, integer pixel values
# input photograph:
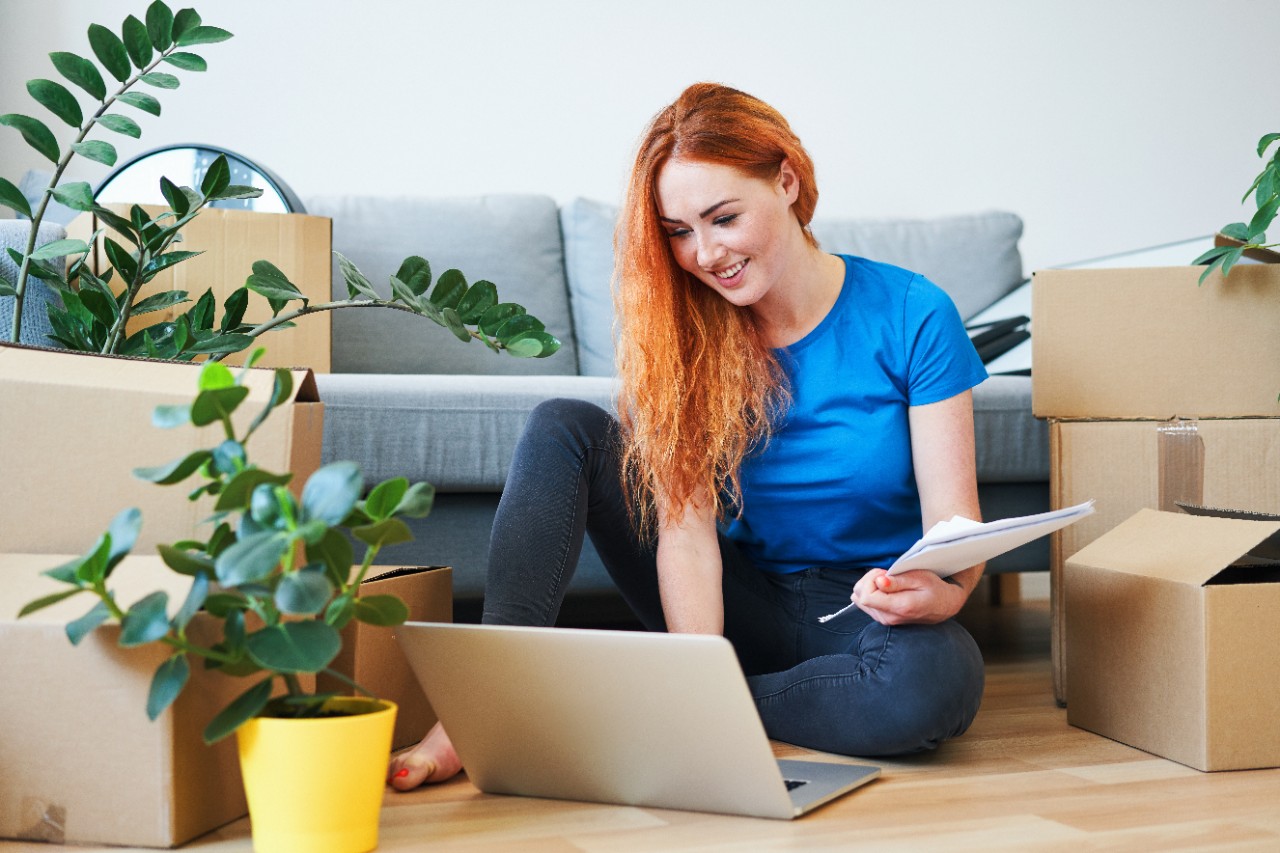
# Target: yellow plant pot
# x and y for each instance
(317, 784)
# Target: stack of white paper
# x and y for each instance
(954, 545)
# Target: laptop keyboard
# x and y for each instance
(792, 784)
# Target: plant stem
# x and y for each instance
(291, 681)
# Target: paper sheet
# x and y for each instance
(958, 543)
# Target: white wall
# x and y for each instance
(1106, 124)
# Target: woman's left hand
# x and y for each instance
(911, 597)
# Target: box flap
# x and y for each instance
(1174, 546)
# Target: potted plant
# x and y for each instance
(1240, 239)
(279, 573)
(95, 310)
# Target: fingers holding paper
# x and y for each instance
(910, 597)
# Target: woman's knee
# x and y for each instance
(565, 418)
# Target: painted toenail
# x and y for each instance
(400, 774)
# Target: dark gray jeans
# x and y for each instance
(850, 686)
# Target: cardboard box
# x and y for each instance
(1152, 343)
(74, 426)
(298, 244)
(1177, 636)
(372, 657)
(82, 762)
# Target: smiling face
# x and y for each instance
(733, 232)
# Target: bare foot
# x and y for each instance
(432, 760)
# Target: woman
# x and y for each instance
(789, 422)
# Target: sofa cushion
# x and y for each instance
(588, 255)
(973, 257)
(511, 240)
(456, 432)
(1012, 445)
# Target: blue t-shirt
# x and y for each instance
(835, 485)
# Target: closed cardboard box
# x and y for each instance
(1172, 630)
(231, 240)
(1152, 343)
(1129, 465)
(83, 763)
(73, 427)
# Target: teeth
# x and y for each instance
(731, 271)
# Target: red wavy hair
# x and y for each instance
(700, 386)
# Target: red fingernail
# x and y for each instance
(400, 774)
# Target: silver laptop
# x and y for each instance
(635, 718)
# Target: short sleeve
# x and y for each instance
(941, 360)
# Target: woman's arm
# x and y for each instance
(942, 451)
(689, 571)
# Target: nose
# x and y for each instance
(710, 252)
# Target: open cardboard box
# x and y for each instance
(73, 426)
(231, 240)
(1173, 622)
(83, 764)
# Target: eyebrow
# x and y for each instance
(704, 214)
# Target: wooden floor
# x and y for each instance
(1020, 779)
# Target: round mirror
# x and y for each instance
(138, 180)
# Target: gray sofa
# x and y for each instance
(407, 399)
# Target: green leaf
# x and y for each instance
(80, 628)
(233, 308)
(121, 259)
(482, 296)
(331, 492)
(417, 501)
(160, 301)
(416, 273)
(449, 289)
(246, 706)
(168, 417)
(357, 284)
(92, 569)
(35, 132)
(195, 600)
(121, 124)
(60, 249)
(392, 531)
(535, 344)
(1262, 220)
(145, 622)
(80, 71)
(385, 497)
(137, 41)
(160, 80)
(123, 532)
(251, 559)
(335, 552)
(229, 457)
(185, 562)
(57, 99)
(236, 192)
(174, 472)
(221, 344)
(1265, 142)
(402, 292)
(97, 151)
(518, 325)
(305, 592)
(217, 177)
(213, 405)
(493, 319)
(340, 611)
(236, 493)
(6, 289)
(187, 61)
(142, 101)
(1229, 260)
(279, 289)
(110, 51)
(384, 610)
(202, 35)
(176, 198)
(46, 601)
(77, 195)
(294, 647)
(171, 676)
(281, 392)
(160, 25)
(215, 375)
(12, 198)
(159, 264)
(454, 324)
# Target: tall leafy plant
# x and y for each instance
(278, 572)
(1253, 234)
(98, 303)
